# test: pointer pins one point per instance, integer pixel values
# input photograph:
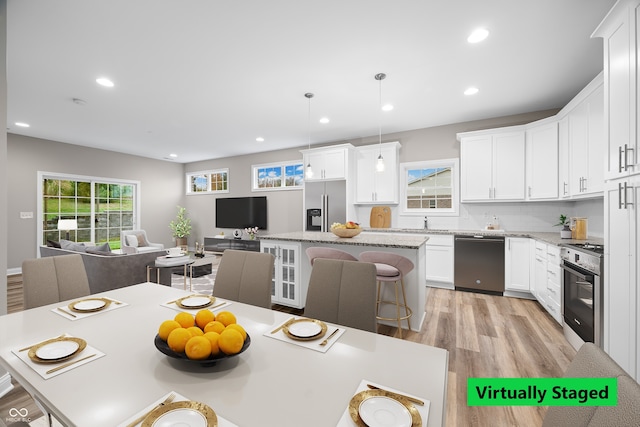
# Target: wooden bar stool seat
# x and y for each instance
(391, 268)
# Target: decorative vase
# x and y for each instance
(182, 242)
(565, 233)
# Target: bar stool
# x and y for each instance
(391, 268)
(328, 253)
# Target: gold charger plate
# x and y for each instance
(354, 406)
(209, 415)
(72, 306)
(323, 330)
(211, 299)
(82, 344)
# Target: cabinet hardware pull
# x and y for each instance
(565, 188)
(619, 195)
(577, 321)
(626, 164)
(620, 167)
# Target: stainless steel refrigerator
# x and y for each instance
(330, 197)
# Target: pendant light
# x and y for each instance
(308, 170)
(380, 162)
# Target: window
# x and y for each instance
(430, 187)
(278, 176)
(207, 182)
(102, 208)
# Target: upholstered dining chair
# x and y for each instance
(136, 241)
(52, 279)
(328, 253)
(343, 292)
(245, 276)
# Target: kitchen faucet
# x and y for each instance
(426, 223)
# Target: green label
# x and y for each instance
(542, 391)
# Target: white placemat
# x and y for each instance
(217, 305)
(222, 422)
(67, 313)
(346, 421)
(312, 344)
(88, 355)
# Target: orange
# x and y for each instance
(185, 319)
(213, 339)
(195, 331)
(239, 329)
(198, 348)
(166, 327)
(178, 338)
(214, 326)
(230, 341)
(203, 317)
(226, 318)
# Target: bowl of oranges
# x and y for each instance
(203, 339)
(348, 229)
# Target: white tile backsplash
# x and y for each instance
(530, 216)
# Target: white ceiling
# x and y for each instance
(202, 79)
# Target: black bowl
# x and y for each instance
(210, 361)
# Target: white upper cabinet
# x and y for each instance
(542, 161)
(563, 158)
(492, 166)
(328, 163)
(373, 186)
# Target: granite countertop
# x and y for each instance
(547, 237)
(408, 241)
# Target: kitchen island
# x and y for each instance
(293, 268)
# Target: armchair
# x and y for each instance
(135, 241)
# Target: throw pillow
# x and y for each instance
(101, 248)
(132, 240)
(72, 246)
(103, 253)
(141, 240)
(53, 244)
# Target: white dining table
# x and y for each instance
(272, 383)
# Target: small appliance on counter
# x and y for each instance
(578, 228)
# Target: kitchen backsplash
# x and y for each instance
(535, 216)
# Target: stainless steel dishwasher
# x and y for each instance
(479, 264)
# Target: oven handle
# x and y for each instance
(575, 273)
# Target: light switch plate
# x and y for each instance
(26, 215)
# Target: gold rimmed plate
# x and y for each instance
(186, 413)
(196, 301)
(305, 329)
(56, 350)
(89, 305)
(378, 406)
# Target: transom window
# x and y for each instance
(207, 182)
(278, 176)
(430, 187)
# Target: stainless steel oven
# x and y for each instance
(582, 295)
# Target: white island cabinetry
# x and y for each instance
(439, 261)
(287, 289)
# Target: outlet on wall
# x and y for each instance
(26, 215)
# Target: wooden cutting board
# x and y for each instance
(380, 217)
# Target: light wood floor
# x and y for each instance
(486, 336)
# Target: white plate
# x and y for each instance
(174, 255)
(304, 329)
(57, 350)
(383, 411)
(89, 305)
(195, 301)
(181, 417)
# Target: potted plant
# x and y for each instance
(181, 227)
(565, 233)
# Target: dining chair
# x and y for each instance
(245, 276)
(343, 292)
(328, 253)
(391, 268)
(53, 279)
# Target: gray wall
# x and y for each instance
(3, 156)
(162, 187)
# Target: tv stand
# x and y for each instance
(215, 244)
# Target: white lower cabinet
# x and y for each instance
(287, 288)
(517, 258)
(439, 259)
(546, 286)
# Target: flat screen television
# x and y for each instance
(241, 212)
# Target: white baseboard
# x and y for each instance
(5, 384)
(14, 271)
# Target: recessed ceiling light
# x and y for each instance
(23, 125)
(478, 35)
(103, 81)
(324, 120)
(387, 107)
(174, 155)
(260, 139)
(471, 91)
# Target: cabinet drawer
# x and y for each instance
(553, 254)
(553, 293)
(439, 240)
(554, 310)
(554, 273)
(541, 250)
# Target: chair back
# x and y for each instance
(399, 262)
(53, 279)
(245, 276)
(328, 253)
(592, 362)
(343, 292)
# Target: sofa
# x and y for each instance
(109, 271)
